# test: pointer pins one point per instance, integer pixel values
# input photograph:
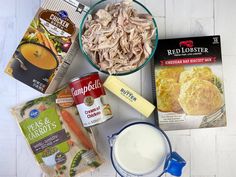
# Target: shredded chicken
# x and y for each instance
(117, 38)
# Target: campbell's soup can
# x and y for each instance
(90, 99)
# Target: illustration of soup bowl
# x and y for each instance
(33, 62)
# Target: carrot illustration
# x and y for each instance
(45, 40)
(39, 36)
(67, 117)
(52, 46)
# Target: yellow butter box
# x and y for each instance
(129, 96)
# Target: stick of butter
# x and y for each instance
(129, 96)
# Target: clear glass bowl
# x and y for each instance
(102, 4)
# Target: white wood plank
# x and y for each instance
(8, 94)
(225, 24)
(226, 156)
(10, 4)
(7, 155)
(229, 67)
(179, 132)
(204, 176)
(202, 8)
(25, 12)
(8, 85)
(161, 25)
(182, 145)
(106, 170)
(177, 18)
(202, 26)
(157, 8)
(8, 126)
(183, 18)
(203, 152)
(7, 38)
(26, 164)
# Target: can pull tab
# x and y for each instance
(174, 164)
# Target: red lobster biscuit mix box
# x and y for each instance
(189, 83)
(48, 46)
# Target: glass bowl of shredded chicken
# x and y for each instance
(118, 37)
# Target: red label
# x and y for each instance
(188, 61)
(87, 86)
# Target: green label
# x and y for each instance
(45, 134)
(45, 124)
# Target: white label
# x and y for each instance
(94, 114)
(64, 100)
(170, 117)
(53, 29)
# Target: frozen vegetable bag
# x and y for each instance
(60, 144)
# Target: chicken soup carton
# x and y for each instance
(189, 83)
(48, 46)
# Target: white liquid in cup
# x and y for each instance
(140, 149)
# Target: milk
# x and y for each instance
(140, 149)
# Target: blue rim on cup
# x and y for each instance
(173, 163)
(91, 10)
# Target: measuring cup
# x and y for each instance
(171, 162)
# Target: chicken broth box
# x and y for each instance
(189, 83)
(48, 46)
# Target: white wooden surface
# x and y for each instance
(209, 152)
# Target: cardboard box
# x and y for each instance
(48, 46)
(188, 82)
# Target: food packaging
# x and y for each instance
(129, 96)
(90, 99)
(58, 140)
(48, 46)
(188, 82)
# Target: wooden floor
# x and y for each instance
(209, 152)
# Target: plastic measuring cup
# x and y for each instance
(172, 162)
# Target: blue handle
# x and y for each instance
(174, 164)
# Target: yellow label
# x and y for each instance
(129, 96)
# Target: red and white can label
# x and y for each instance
(89, 96)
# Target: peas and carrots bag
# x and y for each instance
(61, 145)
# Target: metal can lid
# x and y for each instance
(85, 75)
(74, 79)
